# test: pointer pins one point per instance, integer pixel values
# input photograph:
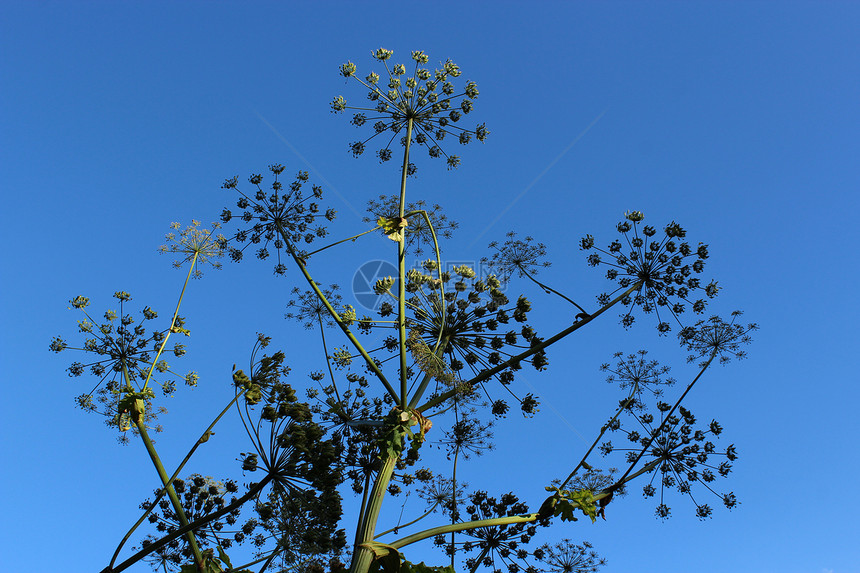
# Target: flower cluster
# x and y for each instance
(195, 245)
(343, 409)
(418, 234)
(302, 510)
(282, 217)
(123, 354)
(679, 453)
(568, 557)
(469, 321)
(468, 436)
(310, 310)
(516, 257)
(439, 492)
(427, 101)
(638, 374)
(716, 337)
(662, 271)
(199, 496)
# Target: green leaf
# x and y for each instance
(386, 557)
(393, 227)
(223, 555)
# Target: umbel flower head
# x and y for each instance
(309, 309)
(479, 326)
(715, 336)
(279, 216)
(516, 257)
(195, 245)
(663, 268)
(679, 454)
(500, 547)
(122, 355)
(427, 99)
(638, 374)
(568, 557)
(199, 496)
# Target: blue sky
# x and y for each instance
(738, 120)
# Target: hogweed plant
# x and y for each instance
(437, 360)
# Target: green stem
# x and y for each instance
(486, 374)
(171, 493)
(443, 302)
(362, 509)
(363, 556)
(454, 501)
(427, 377)
(466, 525)
(139, 419)
(401, 271)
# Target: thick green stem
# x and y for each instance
(401, 272)
(487, 374)
(362, 555)
(362, 509)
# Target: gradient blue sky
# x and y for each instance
(740, 120)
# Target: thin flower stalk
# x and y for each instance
(173, 327)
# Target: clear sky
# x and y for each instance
(739, 120)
